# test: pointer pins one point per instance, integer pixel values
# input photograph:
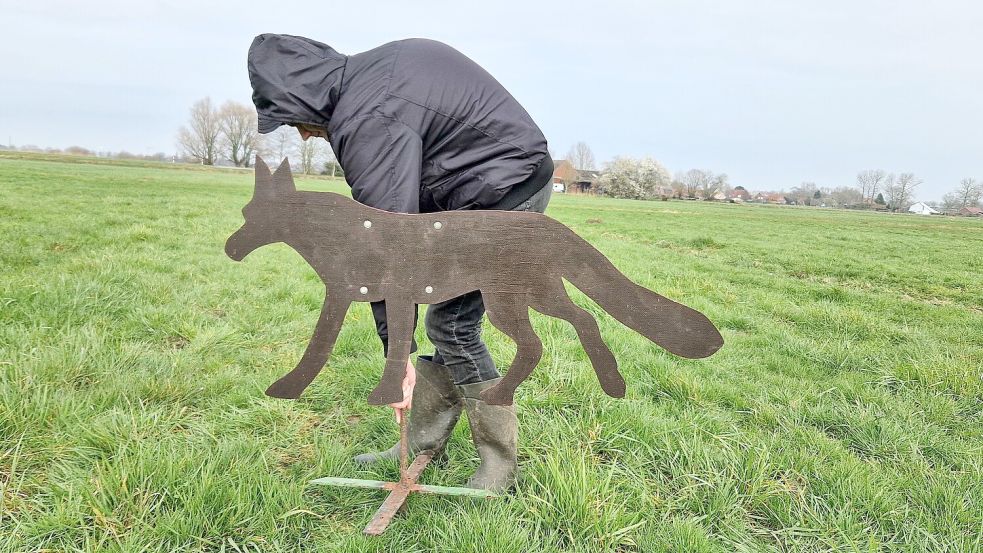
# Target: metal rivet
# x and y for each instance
(367, 224)
(429, 289)
(363, 290)
(437, 225)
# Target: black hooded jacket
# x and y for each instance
(415, 124)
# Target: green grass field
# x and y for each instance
(844, 413)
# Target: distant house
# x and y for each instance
(573, 180)
(588, 174)
(971, 212)
(564, 171)
(739, 193)
(663, 192)
(921, 208)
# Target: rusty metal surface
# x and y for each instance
(400, 491)
(518, 260)
(388, 510)
(404, 441)
(397, 497)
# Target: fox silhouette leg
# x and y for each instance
(601, 358)
(399, 318)
(291, 385)
(511, 316)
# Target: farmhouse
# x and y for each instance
(971, 212)
(739, 193)
(663, 192)
(922, 208)
(573, 180)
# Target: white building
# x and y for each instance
(922, 209)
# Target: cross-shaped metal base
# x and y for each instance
(400, 491)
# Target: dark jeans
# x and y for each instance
(454, 326)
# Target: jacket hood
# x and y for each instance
(294, 80)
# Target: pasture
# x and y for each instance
(844, 413)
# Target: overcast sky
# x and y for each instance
(771, 92)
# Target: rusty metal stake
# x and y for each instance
(400, 491)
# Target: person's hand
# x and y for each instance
(409, 381)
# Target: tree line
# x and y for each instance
(647, 178)
(228, 133)
(969, 193)
(82, 151)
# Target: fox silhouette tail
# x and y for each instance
(679, 329)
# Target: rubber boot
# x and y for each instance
(494, 430)
(437, 405)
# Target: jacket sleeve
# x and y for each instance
(382, 160)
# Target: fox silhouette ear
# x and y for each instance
(264, 180)
(283, 179)
(260, 163)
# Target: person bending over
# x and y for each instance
(418, 127)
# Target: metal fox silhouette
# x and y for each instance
(517, 260)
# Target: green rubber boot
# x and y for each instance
(494, 430)
(437, 405)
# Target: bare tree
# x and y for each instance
(870, 182)
(951, 202)
(581, 156)
(310, 152)
(331, 165)
(899, 192)
(718, 185)
(239, 135)
(969, 192)
(700, 183)
(279, 143)
(679, 185)
(200, 139)
(804, 193)
(842, 196)
(693, 181)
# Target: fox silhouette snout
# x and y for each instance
(241, 244)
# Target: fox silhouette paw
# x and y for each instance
(285, 390)
(615, 387)
(384, 395)
(497, 395)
